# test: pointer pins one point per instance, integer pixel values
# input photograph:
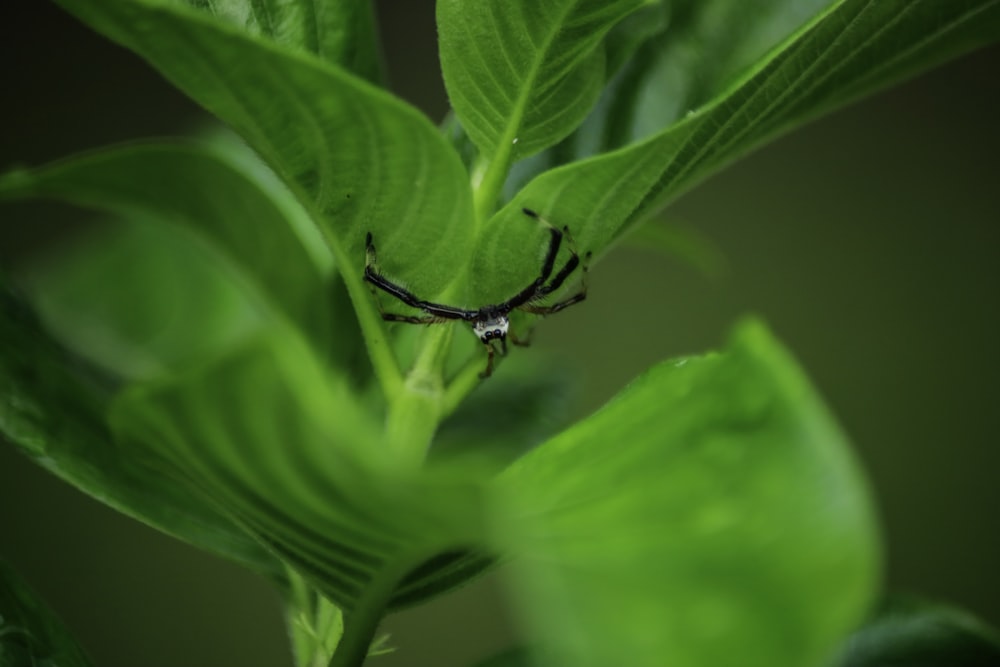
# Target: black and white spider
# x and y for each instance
(490, 323)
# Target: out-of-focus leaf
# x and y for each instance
(911, 633)
(30, 634)
(53, 406)
(711, 515)
(191, 187)
(504, 418)
(140, 299)
(309, 476)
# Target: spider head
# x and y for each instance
(491, 326)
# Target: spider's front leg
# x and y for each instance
(434, 312)
(491, 353)
(569, 301)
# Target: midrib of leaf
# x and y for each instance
(487, 190)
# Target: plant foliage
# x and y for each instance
(213, 364)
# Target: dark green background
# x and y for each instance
(868, 240)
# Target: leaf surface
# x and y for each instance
(523, 74)
(710, 515)
(853, 48)
(309, 476)
(357, 158)
(264, 243)
(53, 407)
(342, 32)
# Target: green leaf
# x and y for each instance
(504, 418)
(911, 633)
(342, 32)
(711, 515)
(30, 634)
(702, 48)
(265, 243)
(140, 299)
(53, 406)
(853, 48)
(309, 476)
(358, 158)
(521, 74)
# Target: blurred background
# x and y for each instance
(868, 240)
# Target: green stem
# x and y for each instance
(416, 410)
(488, 177)
(362, 623)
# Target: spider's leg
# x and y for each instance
(565, 303)
(412, 319)
(488, 371)
(531, 291)
(556, 307)
(568, 268)
(436, 311)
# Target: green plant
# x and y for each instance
(710, 515)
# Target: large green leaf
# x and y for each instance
(358, 158)
(30, 634)
(341, 32)
(523, 74)
(140, 299)
(711, 515)
(53, 406)
(264, 242)
(309, 476)
(853, 48)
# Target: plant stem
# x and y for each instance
(362, 622)
(488, 177)
(416, 410)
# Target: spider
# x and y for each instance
(490, 323)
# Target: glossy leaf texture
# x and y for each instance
(307, 477)
(710, 515)
(30, 634)
(53, 407)
(523, 74)
(853, 48)
(357, 158)
(264, 243)
(342, 32)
